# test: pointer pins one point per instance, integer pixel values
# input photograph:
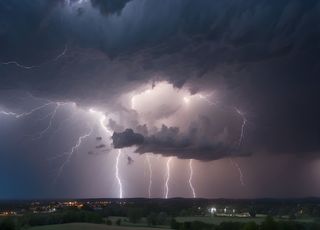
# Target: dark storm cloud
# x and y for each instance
(130, 160)
(101, 146)
(263, 56)
(109, 7)
(126, 139)
(169, 141)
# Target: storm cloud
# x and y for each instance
(126, 139)
(260, 56)
(169, 141)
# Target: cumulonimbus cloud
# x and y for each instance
(168, 141)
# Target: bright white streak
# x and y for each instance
(62, 54)
(109, 132)
(35, 66)
(190, 179)
(150, 176)
(8, 113)
(72, 151)
(20, 115)
(18, 65)
(244, 122)
(52, 116)
(233, 162)
(205, 98)
(117, 174)
(166, 191)
(62, 123)
(237, 166)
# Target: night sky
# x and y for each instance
(159, 98)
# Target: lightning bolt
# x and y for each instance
(243, 126)
(62, 124)
(190, 179)
(71, 152)
(241, 137)
(241, 114)
(237, 166)
(25, 114)
(28, 67)
(206, 98)
(8, 113)
(166, 187)
(109, 133)
(117, 174)
(19, 65)
(150, 176)
(52, 116)
(61, 54)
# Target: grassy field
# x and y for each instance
(217, 220)
(85, 226)
(142, 223)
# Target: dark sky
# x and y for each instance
(98, 97)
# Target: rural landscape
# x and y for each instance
(176, 213)
(159, 114)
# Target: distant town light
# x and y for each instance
(212, 210)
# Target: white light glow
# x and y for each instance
(186, 100)
(190, 179)
(166, 191)
(150, 176)
(117, 175)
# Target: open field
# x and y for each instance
(86, 226)
(142, 223)
(217, 220)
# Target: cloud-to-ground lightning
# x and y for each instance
(117, 174)
(234, 163)
(102, 119)
(242, 132)
(190, 178)
(166, 187)
(237, 166)
(150, 176)
(71, 152)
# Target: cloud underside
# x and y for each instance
(168, 141)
